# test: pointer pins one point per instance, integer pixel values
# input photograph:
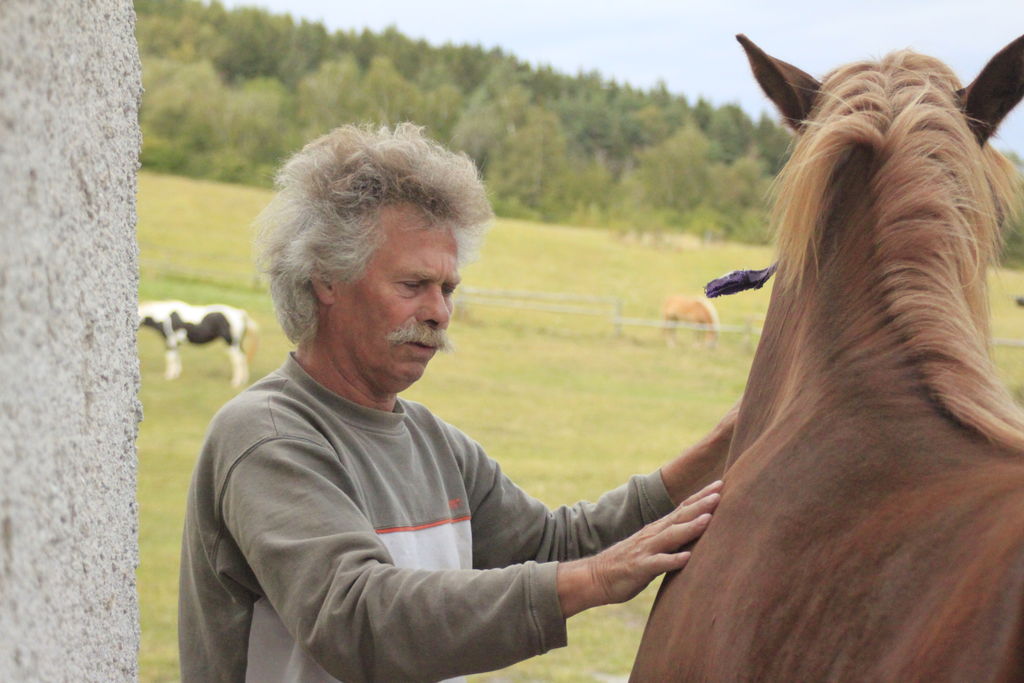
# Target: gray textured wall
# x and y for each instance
(69, 142)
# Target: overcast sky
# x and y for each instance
(690, 45)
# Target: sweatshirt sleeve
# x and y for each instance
(289, 508)
(510, 526)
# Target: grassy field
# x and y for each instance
(569, 408)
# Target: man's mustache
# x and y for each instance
(422, 333)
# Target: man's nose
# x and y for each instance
(437, 309)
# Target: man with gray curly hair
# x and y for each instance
(323, 221)
(335, 531)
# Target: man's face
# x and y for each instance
(410, 280)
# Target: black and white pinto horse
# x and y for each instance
(178, 322)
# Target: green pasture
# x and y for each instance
(569, 407)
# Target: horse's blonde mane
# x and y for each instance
(938, 199)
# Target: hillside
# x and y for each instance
(230, 93)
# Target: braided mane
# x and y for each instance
(938, 197)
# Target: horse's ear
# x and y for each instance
(793, 91)
(996, 90)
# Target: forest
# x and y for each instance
(229, 94)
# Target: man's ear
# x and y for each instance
(325, 291)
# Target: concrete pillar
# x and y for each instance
(69, 143)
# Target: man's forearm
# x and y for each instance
(577, 587)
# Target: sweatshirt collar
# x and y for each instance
(350, 410)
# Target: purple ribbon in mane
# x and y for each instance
(739, 281)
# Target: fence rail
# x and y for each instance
(599, 306)
(552, 302)
(1016, 343)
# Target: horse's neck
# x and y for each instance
(827, 345)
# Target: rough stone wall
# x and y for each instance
(69, 143)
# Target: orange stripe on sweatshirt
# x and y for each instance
(420, 527)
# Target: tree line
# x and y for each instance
(229, 94)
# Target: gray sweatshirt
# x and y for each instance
(329, 541)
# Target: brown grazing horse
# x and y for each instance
(872, 521)
(696, 310)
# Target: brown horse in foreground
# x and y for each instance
(696, 310)
(872, 521)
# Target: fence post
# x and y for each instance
(617, 320)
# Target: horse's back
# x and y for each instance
(884, 565)
(212, 325)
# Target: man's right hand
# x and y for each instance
(620, 572)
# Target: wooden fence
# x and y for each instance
(576, 304)
(611, 308)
